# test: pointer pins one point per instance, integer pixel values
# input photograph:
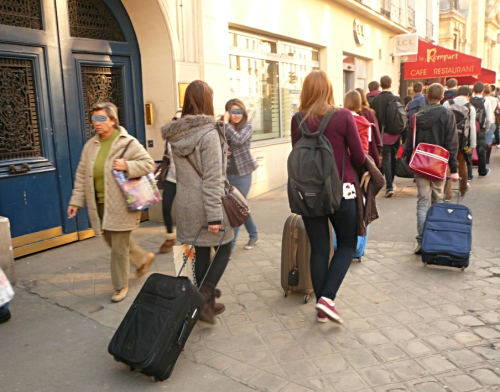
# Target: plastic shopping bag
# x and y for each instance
(140, 193)
(6, 291)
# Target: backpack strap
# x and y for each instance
(451, 101)
(322, 125)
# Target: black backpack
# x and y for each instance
(314, 186)
(396, 118)
(478, 103)
(462, 119)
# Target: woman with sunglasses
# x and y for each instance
(240, 163)
(169, 191)
(106, 204)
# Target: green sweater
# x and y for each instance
(100, 164)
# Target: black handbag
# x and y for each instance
(161, 170)
(402, 168)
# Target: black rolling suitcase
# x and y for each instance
(155, 329)
(447, 237)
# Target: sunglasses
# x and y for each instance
(99, 118)
(237, 112)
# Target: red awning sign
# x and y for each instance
(437, 62)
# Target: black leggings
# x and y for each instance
(326, 280)
(219, 264)
(169, 191)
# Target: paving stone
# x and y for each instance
(407, 370)
(428, 314)
(260, 358)
(406, 317)
(278, 338)
(361, 358)
(267, 382)
(442, 342)
(397, 333)
(331, 363)
(242, 329)
(317, 348)
(301, 368)
(242, 372)
(415, 348)
(388, 353)
(464, 357)
(487, 352)
(466, 337)
(372, 338)
(437, 364)
(462, 383)
(378, 375)
(469, 321)
(260, 315)
(303, 334)
(428, 385)
(392, 307)
(219, 362)
(397, 387)
(318, 383)
(357, 324)
(382, 321)
(445, 325)
(218, 333)
(490, 317)
(346, 344)
(347, 381)
(269, 326)
(423, 329)
(288, 352)
(486, 377)
(293, 387)
(487, 333)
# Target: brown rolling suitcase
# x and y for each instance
(295, 255)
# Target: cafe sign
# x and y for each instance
(405, 44)
(438, 62)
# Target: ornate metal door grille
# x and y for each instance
(21, 13)
(19, 135)
(102, 84)
(93, 19)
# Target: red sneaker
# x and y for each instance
(328, 310)
(322, 318)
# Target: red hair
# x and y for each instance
(317, 95)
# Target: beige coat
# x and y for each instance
(116, 216)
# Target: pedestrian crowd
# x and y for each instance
(342, 156)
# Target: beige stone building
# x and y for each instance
(472, 27)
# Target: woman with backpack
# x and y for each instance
(240, 163)
(199, 151)
(316, 101)
(375, 147)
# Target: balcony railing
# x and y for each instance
(429, 31)
(411, 18)
(385, 8)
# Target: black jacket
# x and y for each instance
(436, 125)
(380, 103)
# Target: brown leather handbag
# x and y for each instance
(234, 202)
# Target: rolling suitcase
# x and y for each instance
(155, 329)
(360, 247)
(295, 256)
(447, 237)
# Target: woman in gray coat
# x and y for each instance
(197, 136)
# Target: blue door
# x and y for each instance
(58, 58)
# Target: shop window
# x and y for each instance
(255, 82)
(267, 75)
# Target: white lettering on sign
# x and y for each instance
(405, 44)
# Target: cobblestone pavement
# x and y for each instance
(407, 327)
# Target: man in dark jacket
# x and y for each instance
(451, 92)
(390, 141)
(435, 125)
(418, 101)
(374, 88)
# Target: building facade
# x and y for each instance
(62, 56)
(472, 27)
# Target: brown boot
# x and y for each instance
(169, 242)
(207, 314)
(218, 308)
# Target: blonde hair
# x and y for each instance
(110, 109)
(352, 101)
(317, 95)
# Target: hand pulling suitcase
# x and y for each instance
(447, 237)
(360, 247)
(155, 329)
(295, 258)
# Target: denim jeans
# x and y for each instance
(429, 192)
(243, 183)
(326, 280)
(497, 135)
(468, 160)
(489, 135)
(4, 307)
(389, 156)
(482, 145)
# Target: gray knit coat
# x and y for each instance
(198, 201)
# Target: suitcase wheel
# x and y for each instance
(463, 269)
(132, 369)
(360, 259)
(285, 293)
(306, 298)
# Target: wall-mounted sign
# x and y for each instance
(405, 44)
(182, 92)
(359, 32)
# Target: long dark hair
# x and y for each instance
(241, 105)
(198, 99)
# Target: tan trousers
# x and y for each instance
(124, 250)
(462, 173)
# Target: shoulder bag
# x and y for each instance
(140, 193)
(235, 204)
(428, 160)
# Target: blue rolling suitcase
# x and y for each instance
(360, 247)
(447, 237)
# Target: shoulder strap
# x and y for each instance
(302, 124)
(194, 167)
(451, 101)
(322, 125)
(325, 120)
(126, 148)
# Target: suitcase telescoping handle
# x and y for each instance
(459, 186)
(211, 261)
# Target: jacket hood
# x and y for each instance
(429, 115)
(450, 93)
(362, 122)
(185, 133)
(373, 93)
